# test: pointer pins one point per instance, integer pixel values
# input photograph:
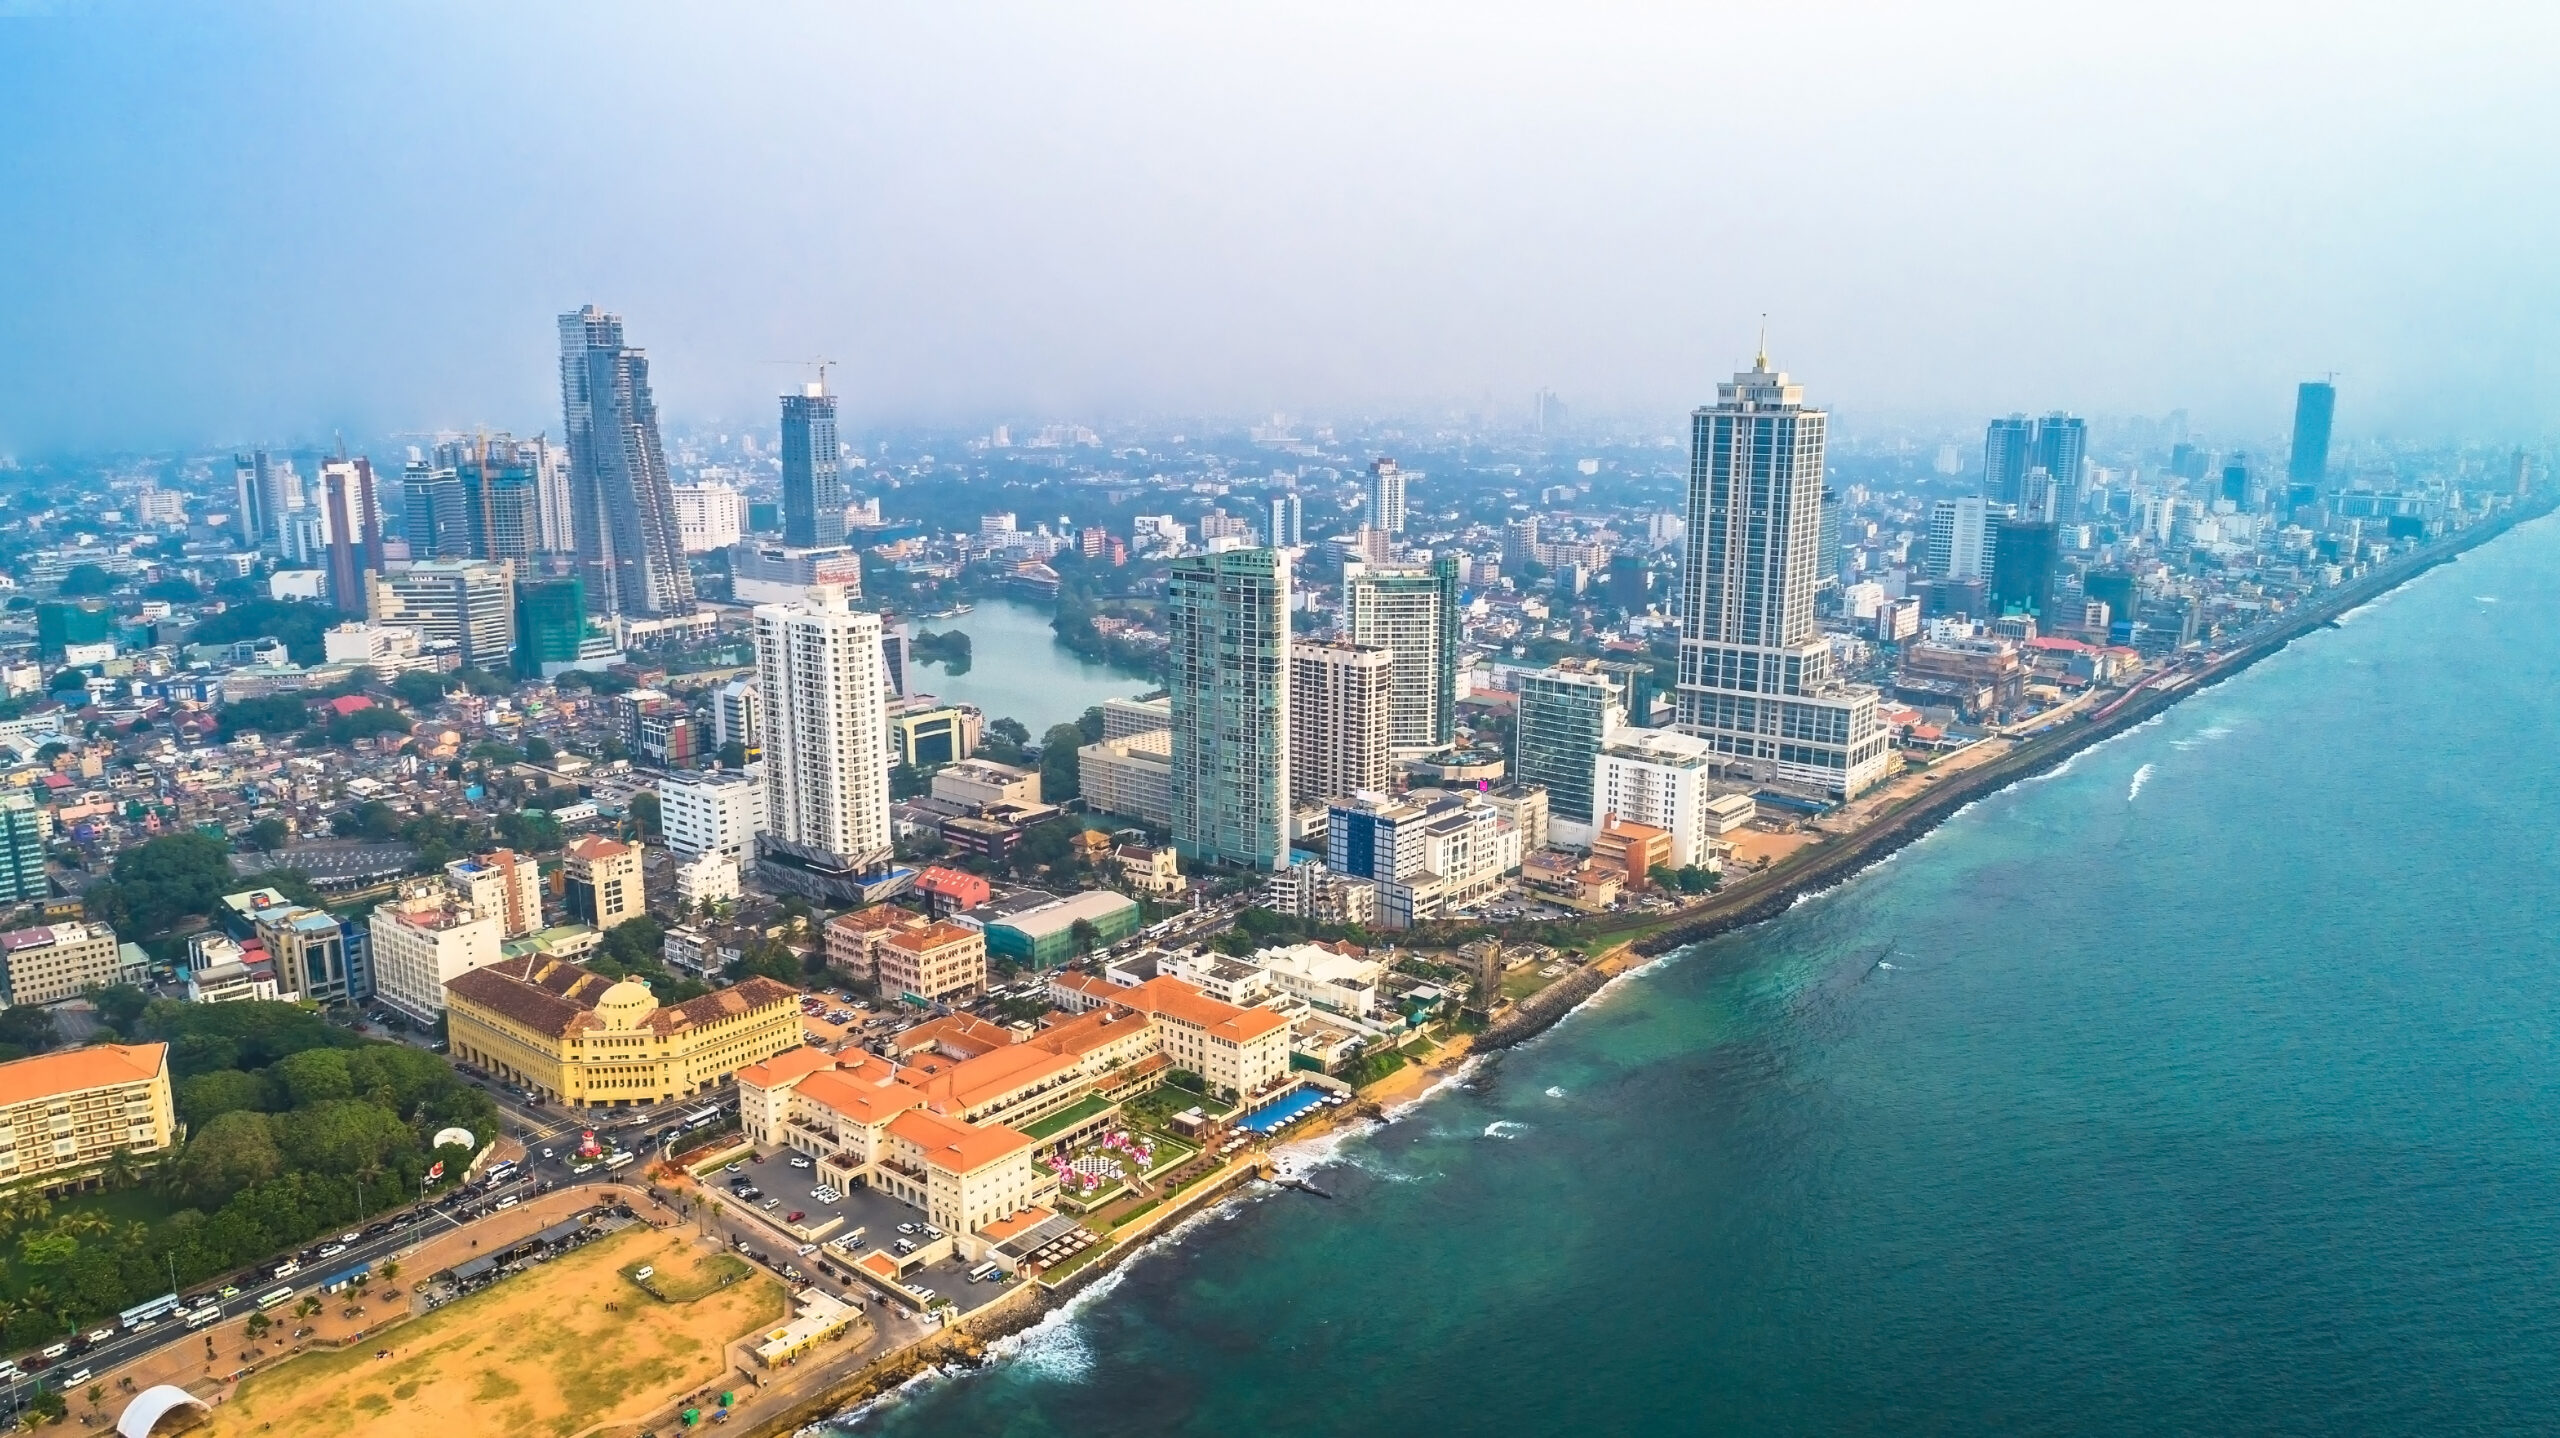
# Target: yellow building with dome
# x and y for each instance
(571, 1034)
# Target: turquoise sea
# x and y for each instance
(2210, 1084)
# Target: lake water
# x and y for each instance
(2210, 1084)
(1018, 670)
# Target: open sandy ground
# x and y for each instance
(557, 1351)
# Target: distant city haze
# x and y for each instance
(231, 223)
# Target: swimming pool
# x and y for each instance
(1282, 1109)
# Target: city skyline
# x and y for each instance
(2233, 227)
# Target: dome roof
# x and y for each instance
(625, 1004)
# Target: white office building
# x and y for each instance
(716, 812)
(423, 940)
(709, 516)
(737, 716)
(1959, 531)
(1663, 780)
(826, 729)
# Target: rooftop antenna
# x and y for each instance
(1762, 362)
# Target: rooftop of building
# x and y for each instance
(78, 1070)
(933, 936)
(1184, 1004)
(556, 998)
(594, 847)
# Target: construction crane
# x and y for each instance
(821, 365)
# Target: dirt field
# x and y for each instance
(537, 1353)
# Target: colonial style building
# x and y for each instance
(572, 1034)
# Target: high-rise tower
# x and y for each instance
(812, 483)
(1957, 543)
(2315, 404)
(2008, 452)
(1386, 496)
(1339, 696)
(1755, 672)
(1288, 521)
(826, 730)
(2062, 443)
(1412, 613)
(1228, 618)
(621, 502)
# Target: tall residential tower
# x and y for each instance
(826, 731)
(621, 502)
(1412, 612)
(1228, 618)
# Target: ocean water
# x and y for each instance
(2206, 1085)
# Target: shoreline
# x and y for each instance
(1823, 865)
(1762, 896)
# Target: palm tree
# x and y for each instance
(123, 1170)
(391, 1270)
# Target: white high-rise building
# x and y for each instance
(709, 516)
(1662, 780)
(1755, 671)
(1959, 538)
(826, 729)
(737, 716)
(711, 812)
(1386, 496)
(1340, 695)
(1288, 521)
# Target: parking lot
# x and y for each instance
(875, 1213)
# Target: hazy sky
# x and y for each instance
(223, 222)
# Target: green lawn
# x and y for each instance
(1068, 1117)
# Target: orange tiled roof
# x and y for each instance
(956, 1147)
(788, 1066)
(992, 1075)
(97, 1066)
(1172, 998)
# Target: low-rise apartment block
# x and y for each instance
(935, 963)
(63, 1115)
(61, 961)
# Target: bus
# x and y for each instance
(273, 1297)
(619, 1160)
(142, 1313)
(701, 1118)
(210, 1313)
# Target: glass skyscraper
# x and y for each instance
(1563, 718)
(2008, 452)
(2315, 404)
(622, 504)
(1755, 671)
(812, 477)
(1227, 615)
(2062, 442)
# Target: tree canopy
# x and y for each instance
(168, 879)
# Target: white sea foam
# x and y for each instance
(1504, 1128)
(2486, 598)
(2141, 776)
(1555, 1092)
